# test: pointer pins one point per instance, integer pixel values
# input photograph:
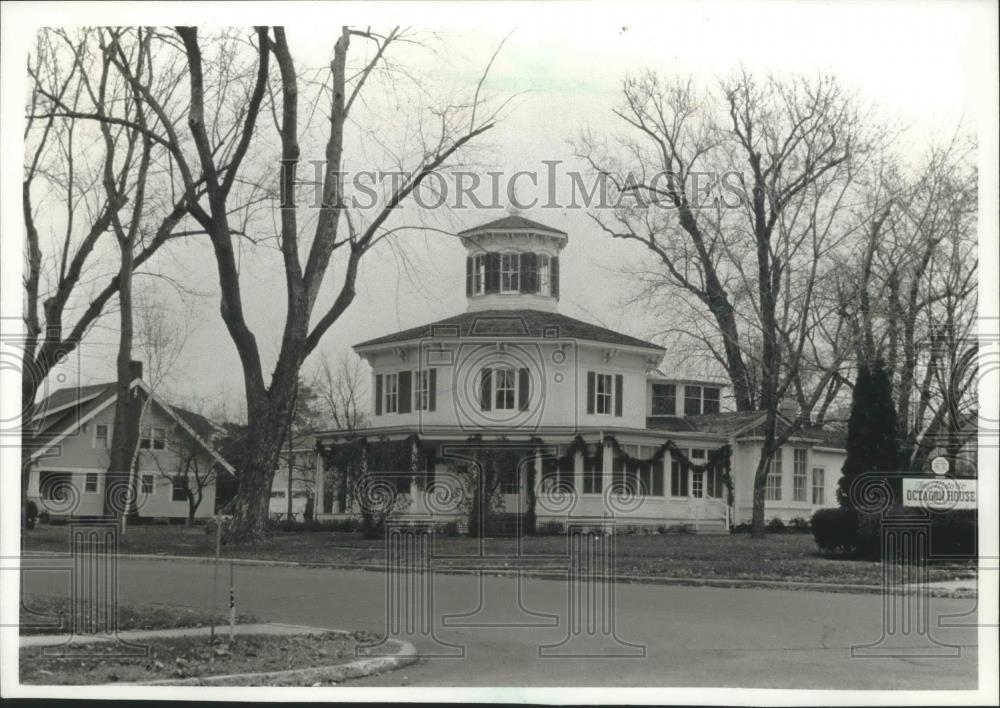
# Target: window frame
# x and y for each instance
(510, 273)
(499, 390)
(800, 480)
(150, 435)
(701, 399)
(478, 274)
(608, 396)
(89, 477)
(821, 487)
(697, 480)
(544, 274)
(390, 395)
(421, 390)
(106, 436)
(653, 397)
(772, 490)
(174, 490)
(151, 479)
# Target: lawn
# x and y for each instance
(42, 614)
(779, 556)
(189, 657)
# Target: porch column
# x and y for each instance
(319, 485)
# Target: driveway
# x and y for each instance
(664, 635)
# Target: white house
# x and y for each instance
(70, 454)
(599, 426)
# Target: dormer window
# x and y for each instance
(699, 400)
(510, 269)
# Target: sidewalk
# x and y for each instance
(51, 640)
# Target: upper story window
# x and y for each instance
(604, 393)
(544, 279)
(510, 270)
(102, 436)
(664, 399)
(422, 390)
(478, 275)
(504, 388)
(153, 438)
(390, 401)
(700, 400)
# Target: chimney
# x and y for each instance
(134, 370)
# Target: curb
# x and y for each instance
(358, 668)
(749, 583)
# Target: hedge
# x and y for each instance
(846, 531)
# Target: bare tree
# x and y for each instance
(190, 469)
(737, 195)
(910, 295)
(97, 190)
(340, 386)
(221, 131)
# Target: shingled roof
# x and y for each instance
(512, 222)
(512, 323)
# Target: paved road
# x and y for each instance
(690, 636)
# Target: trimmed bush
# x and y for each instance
(846, 531)
(450, 529)
(836, 530)
(776, 525)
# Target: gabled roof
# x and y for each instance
(512, 323)
(68, 408)
(512, 222)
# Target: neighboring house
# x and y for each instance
(71, 454)
(304, 486)
(591, 406)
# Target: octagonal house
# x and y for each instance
(511, 414)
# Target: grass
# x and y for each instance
(188, 657)
(42, 614)
(780, 556)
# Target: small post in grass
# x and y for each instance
(215, 574)
(232, 604)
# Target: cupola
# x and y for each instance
(512, 263)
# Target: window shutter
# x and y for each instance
(554, 276)
(590, 391)
(523, 388)
(431, 389)
(619, 380)
(468, 276)
(486, 389)
(529, 273)
(405, 391)
(492, 273)
(378, 394)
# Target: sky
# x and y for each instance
(928, 66)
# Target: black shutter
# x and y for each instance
(468, 276)
(619, 380)
(405, 391)
(492, 273)
(523, 388)
(378, 394)
(529, 273)
(486, 389)
(432, 389)
(554, 276)
(591, 377)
